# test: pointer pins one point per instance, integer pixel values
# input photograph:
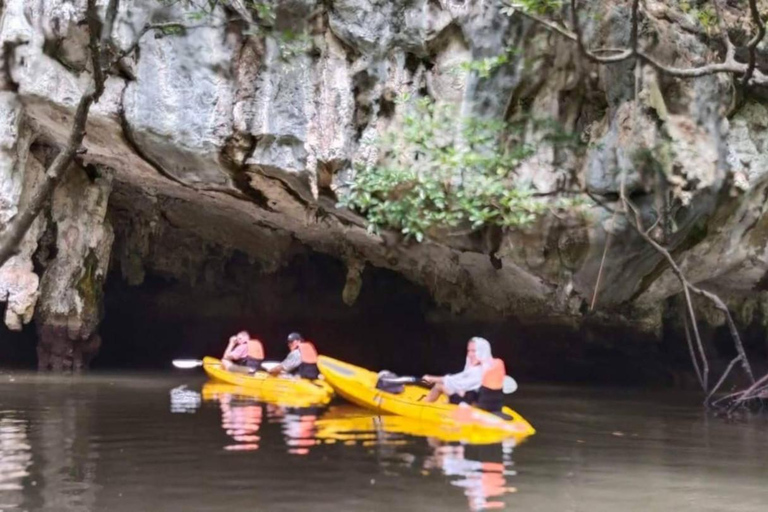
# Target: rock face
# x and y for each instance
(244, 135)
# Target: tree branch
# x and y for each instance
(748, 72)
(752, 45)
(622, 56)
(17, 227)
(722, 379)
(151, 27)
(694, 358)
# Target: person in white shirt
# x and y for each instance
(463, 386)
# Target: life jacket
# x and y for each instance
(255, 350)
(493, 376)
(308, 367)
(490, 396)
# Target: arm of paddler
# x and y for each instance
(290, 363)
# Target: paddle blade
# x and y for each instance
(186, 364)
(268, 365)
(400, 380)
(509, 386)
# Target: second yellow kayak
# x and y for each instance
(309, 390)
(358, 385)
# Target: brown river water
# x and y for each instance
(151, 442)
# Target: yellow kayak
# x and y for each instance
(358, 385)
(282, 385)
(214, 390)
(350, 423)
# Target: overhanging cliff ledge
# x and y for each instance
(215, 142)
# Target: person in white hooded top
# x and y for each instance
(463, 386)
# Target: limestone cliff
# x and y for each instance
(219, 139)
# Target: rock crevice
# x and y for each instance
(246, 141)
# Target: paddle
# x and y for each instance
(508, 387)
(186, 364)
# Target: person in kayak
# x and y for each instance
(480, 383)
(302, 359)
(243, 353)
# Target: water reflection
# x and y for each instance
(298, 427)
(15, 460)
(483, 481)
(243, 412)
(482, 476)
(184, 400)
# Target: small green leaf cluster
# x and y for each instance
(485, 67)
(439, 171)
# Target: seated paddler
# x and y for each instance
(243, 354)
(479, 384)
(301, 360)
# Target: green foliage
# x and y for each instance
(485, 67)
(292, 43)
(707, 17)
(439, 171)
(264, 13)
(289, 43)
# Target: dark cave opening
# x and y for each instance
(394, 324)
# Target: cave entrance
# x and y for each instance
(394, 324)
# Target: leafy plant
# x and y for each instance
(485, 67)
(707, 17)
(439, 171)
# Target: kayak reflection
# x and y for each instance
(344, 423)
(298, 426)
(480, 468)
(244, 410)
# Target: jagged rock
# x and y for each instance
(69, 309)
(19, 175)
(232, 139)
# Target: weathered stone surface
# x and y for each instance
(219, 140)
(69, 309)
(19, 174)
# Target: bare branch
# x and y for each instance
(622, 56)
(151, 27)
(719, 304)
(541, 21)
(748, 72)
(694, 358)
(730, 49)
(752, 45)
(109, 21)
(694, 328)
(687, 286)
(722, 379)
(635, 23)
(602, 261)
(17, 227)
(94, 45)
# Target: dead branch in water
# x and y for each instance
(688, 287)
(729, 64)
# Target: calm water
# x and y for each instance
(155, 443)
